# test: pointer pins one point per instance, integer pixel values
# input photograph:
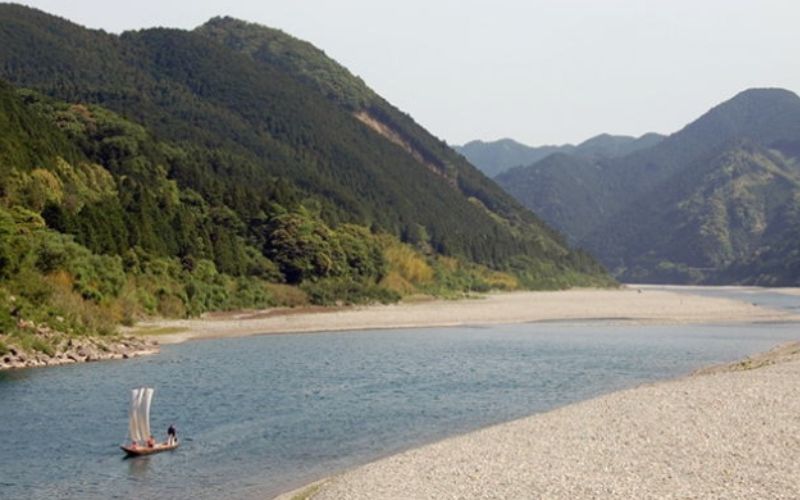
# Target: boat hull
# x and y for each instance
(140, 451)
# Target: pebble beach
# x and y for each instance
(725, 432)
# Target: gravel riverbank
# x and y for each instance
(726, 432)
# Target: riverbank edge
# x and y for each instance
(631, 305)
(781, 353)
(68, 349)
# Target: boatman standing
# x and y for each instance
(172, 437)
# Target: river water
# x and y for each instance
(260, 415)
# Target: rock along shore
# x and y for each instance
(68, 349)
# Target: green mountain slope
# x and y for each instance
(264, 117)
(563, 189)
(307, 64)
(85, 246)
(700, 221)
(292, 55)
(707, 204)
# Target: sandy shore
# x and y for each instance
(644, 305)
(723, 433)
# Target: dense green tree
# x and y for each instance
(303, 247)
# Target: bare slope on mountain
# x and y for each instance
(308, 64)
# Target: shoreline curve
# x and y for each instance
(638, 304)
(727, 431)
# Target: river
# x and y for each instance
(261, 415)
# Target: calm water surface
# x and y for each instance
(261, 415)
(766, 297)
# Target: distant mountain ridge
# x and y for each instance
(496, 157)
(715, 202)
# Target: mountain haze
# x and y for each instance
(494, 158)
(713, 202)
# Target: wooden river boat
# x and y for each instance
(140, 451)
(139, 427)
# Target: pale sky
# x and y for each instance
(538, 71)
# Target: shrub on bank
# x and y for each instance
(344, 291)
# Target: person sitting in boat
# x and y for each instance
(134, 445)
(172, 435)
(151, 442)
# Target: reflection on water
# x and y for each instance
(14, 375)
(137, 466)
(260, 415)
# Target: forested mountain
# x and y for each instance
(207, 169)
(715, 202)
(496, 157)
(567, 191)
(614, 146)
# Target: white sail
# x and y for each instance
(133, 415)
(145, 413)
(139, 414)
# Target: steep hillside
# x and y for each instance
(308, 64)
(774, 265)
(707, 204)
(495, 158)
(563, 189)
(84, 247)
(244, 118)
(714, 214)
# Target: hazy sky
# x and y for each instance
(537, 71)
